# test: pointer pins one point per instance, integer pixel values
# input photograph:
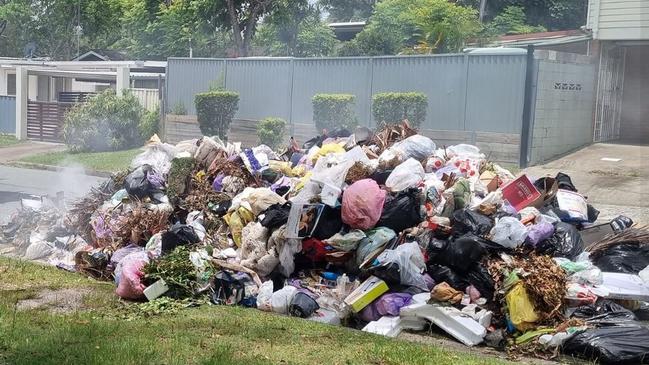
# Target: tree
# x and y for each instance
(512, 21)
(294, 29)
(348, 10)
(50, 25)
(415, 26)
(240, 16)
(551, 14)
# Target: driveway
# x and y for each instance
(28, 148)
(614, 177)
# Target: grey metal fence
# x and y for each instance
(465, 92)
(7, 114)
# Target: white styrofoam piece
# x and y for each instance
(155, 290)
(421, 297)
(457, 324)
(386, 326)
(625, 286)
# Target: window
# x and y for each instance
(11, 84)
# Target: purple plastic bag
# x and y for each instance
(539, 232)
(217, 185)
(155, 179)
(386, 305)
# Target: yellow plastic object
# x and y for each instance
(327, 149)
(236, 221)
(281, 167)
(521, 308)
(303, 181)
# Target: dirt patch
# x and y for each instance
(56, 301)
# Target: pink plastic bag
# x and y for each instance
(129, 273)
(362, 204)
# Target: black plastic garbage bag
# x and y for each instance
(401, 211)
(604, 312)
(138, 185)
(302, 305)
(468, 221)
(276, 215)
(565, 242)
(230, 289)
(390, 272)
(178, 235)
(624, 258)
(565, 182)
(459, 254)
(441, 273)
(221, 208)
(627, 344)
(329, 224)
(479, 277)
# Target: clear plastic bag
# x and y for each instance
(411, 263)
(509, 232)
(408, 174)
(346, 242)
(264, 296)
(418, 147)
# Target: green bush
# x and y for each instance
(271, 131)
(150, 123)
(331, 111)
(179, 108)
(106, 122)
(215, 110)
(393, 108)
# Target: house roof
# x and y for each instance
(101, 55)
(543, 38)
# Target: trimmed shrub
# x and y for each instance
(215, 110)
(106, 122)
(150, 123)
(271, 131)
(331, 111)
(393, 108)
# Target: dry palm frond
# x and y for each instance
(633, 236)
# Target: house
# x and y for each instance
(621, 31)
(571, 41)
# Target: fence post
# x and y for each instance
(527, 108)
(465, 92)
(22, 97)
(290, 96)
(370, 82)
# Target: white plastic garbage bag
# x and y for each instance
(509, 232)
(408, 174)
(281, 299)
(417, 146)
(264, 296)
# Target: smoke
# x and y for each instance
(73, 180)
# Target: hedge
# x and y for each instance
(331, 111)
(215, 110)
(271, 131)
(106, 122)
(393, 108)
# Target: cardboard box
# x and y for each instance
(366, 293)
(520, 192)
(490, 180)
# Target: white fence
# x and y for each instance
(149, 98)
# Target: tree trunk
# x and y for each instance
(236, 28)
(483, 7)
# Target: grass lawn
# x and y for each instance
(99, 161)
(7, 140)
(203, 335)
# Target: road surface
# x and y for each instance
(16, 183)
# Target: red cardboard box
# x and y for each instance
(520, 192)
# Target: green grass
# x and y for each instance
(203, 335)
(7, 140)
(99, 161)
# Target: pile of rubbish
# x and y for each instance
(381, 231)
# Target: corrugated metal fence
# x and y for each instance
(465, 92)
(8, 114)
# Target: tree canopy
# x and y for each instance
(157, 29)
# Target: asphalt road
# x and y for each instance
(16, 183)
